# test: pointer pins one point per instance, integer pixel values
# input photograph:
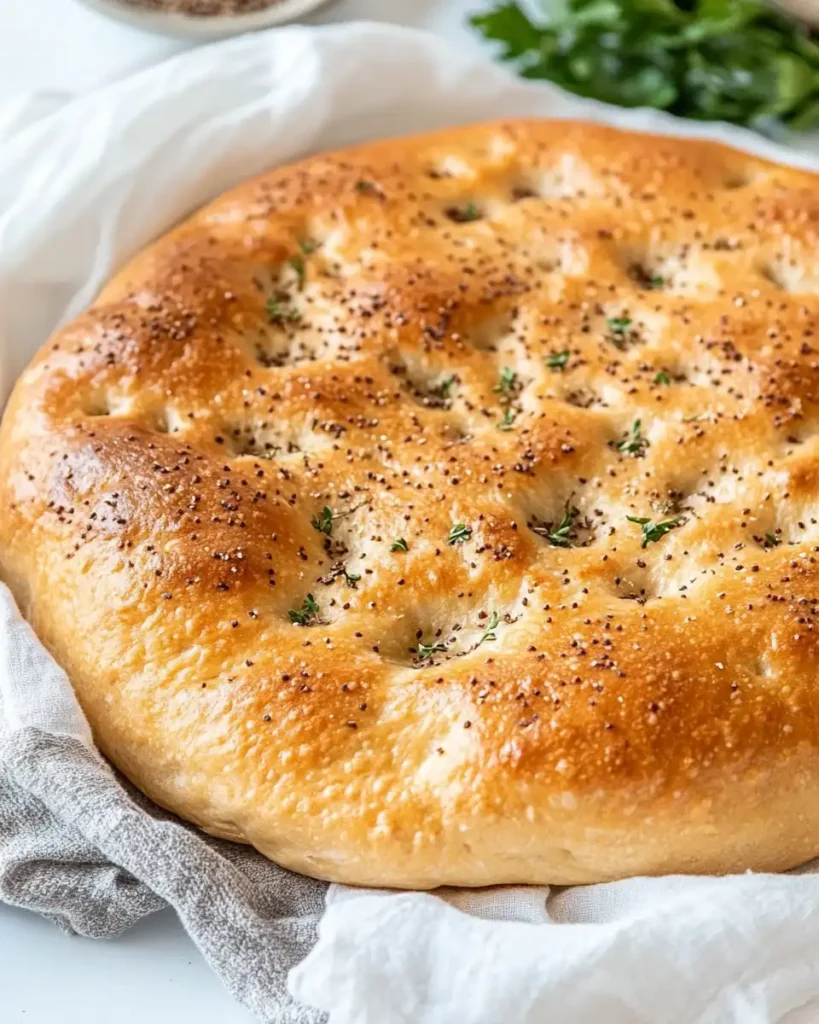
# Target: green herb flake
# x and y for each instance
(459, 533)
(428, 650)
(464, 214)
(308, 246)
(281, 312)
(618, 327)
(772, 541)
(508, 421)
(558, 360)
(307, 615)
(654, 531)
(323, 522)
(662, 378)
(350, 578)
(489, 634)
(339, 571)
(657, 281)
(399, 545)
(634, 443)
(296, 263)
(560, 537)
(445, 387)
(506, 383)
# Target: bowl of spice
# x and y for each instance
(204, 19)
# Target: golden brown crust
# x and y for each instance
(464, 329)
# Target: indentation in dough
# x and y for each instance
(306, 317)
(274, 350)
(173, 421)
(703, 370)
(766, 533)
(97, 404)
(455, 430)
(586, 396)
(259, 442)
(500, 147)
(634, 583)
(286, 348)
(561, 519)
(524, 190)
(487, 335)
(338, 257)
(450, 166)
(428, 386)
(715, 487)
(793, 271)
(271, 439)
(159, 421)
(675, 574)
(349, 541)
(670, 499)
(678, 270)
(558, 255)
(164, 420)
(105, 402)
(570, 529)
(425, 636)
(796, 524)
(320, 333)
(740, 177)
(763, 666)
(624, 327)
(569, 178)
(799, 432)
(465, 212)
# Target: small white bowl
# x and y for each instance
(203, 26)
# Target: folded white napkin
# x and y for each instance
(645, 951)
(84, 187)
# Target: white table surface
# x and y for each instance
(153, 974)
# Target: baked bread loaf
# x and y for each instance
(444, 510)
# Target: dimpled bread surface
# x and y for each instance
(444, 510)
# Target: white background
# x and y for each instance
(59, 44)
(152, 975)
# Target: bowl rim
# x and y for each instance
(193, 26)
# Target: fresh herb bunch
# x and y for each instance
(742, 61)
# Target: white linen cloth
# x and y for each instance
(89, 182)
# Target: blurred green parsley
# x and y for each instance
(742, 61)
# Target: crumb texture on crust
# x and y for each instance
(446, 510)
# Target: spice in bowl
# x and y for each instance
(204, 8)
(204, 19)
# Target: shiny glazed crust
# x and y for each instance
(427, 381)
